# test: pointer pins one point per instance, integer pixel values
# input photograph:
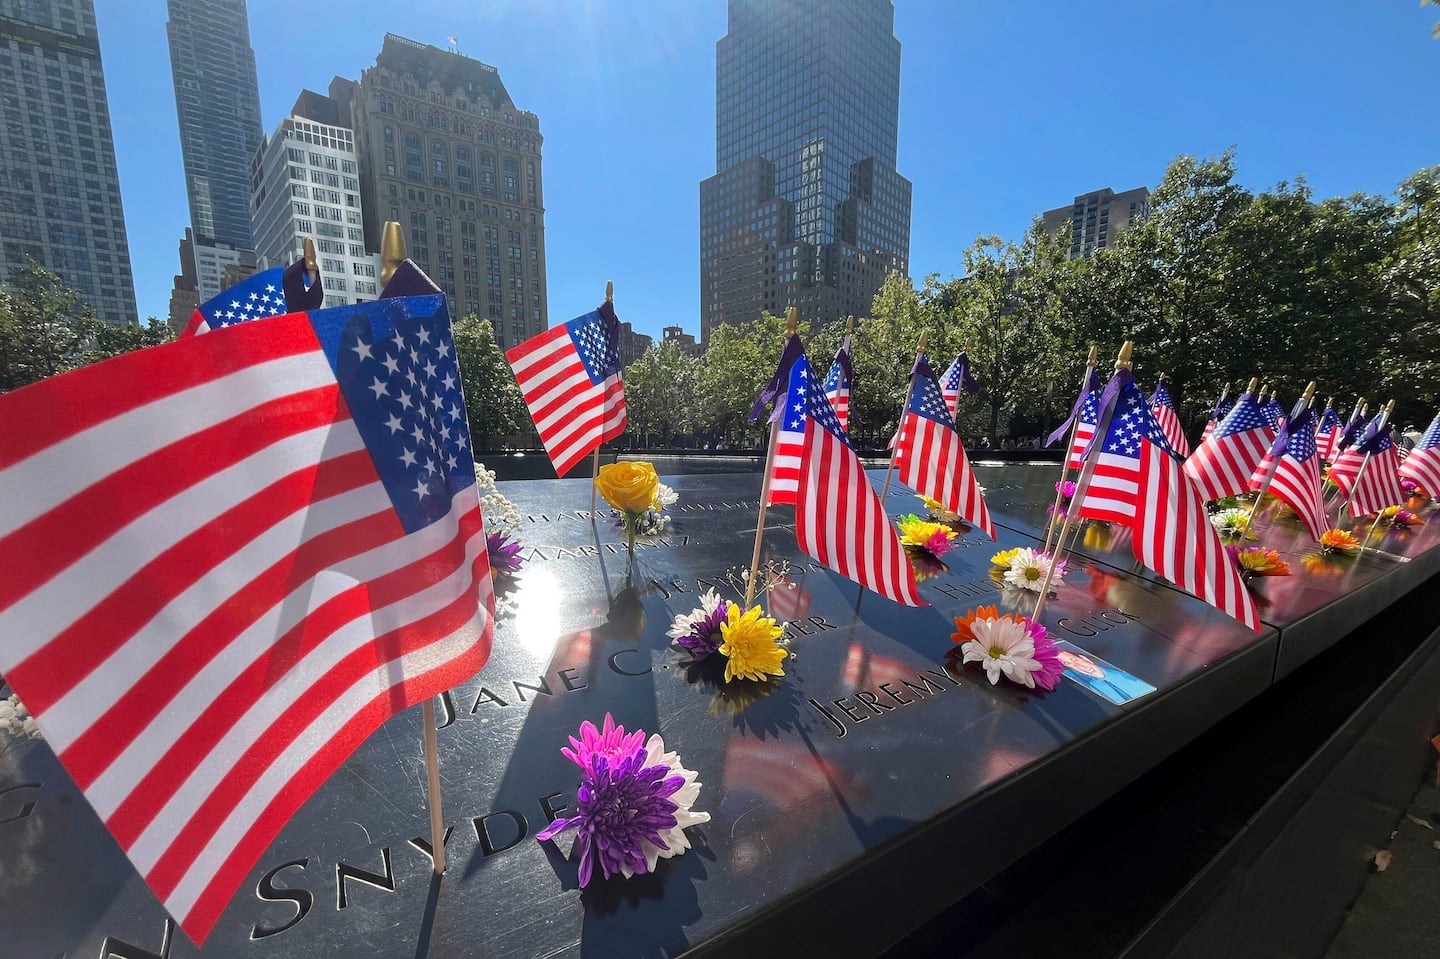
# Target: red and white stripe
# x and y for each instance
(1084, 433)
(1170, 426)
(1372, 490)
(931, 459)
(1222, 467)
(572, 414)
(1298, 486)
(1423, 467)
(840, 520)
(1172, 533)
(217, 602)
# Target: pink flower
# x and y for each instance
(1046, 654)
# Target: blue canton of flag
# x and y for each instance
(599, 349)
(252, 298)
(927, 401)
(1431, 437)
(1131, 423)
(818, 406)
(1244, 415)
(395, 363)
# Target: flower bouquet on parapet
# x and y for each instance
(1397, 517)
(1233, 524)
(638, 497)
(1067, 493)
(1257, 561)
(1025, 568)
(633, 805)
(1008, 645)
(747, 643)
(925, 542)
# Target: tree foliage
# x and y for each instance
(46, 329)
(660, 394)
(493, 402)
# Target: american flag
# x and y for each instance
(254, 297)
(571, 380)
(957, 378)
(1164, 409)
(1423, 464)
(1379, 487)
(1274, 412)
(1137, 481)
(790, 438)
(1084, 429)
(837, 384)
(1296, 481)
(839, 518)
(1222, 406)
(1326, 432)
(1222, 464)
(930, 457)
(243, 552)
(1351, 433)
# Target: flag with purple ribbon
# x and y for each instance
(957, 379)
(837, 384)
(1222, 464)
(1164, 409)
(1295, 462)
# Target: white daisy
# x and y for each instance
(665, 497)
(684, 798)
(685, 623)
(1002, 645)
(1028, 568)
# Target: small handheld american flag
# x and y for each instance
(1164, 409)
(571, 379)
(1296, 481)
(1222, 465)
(837, 384)
(1422, 466)
(930, 458)
(957, 379)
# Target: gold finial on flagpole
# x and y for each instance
(924, 339)
(609, 291)
(1122, 362)
(392, 250)
(792, 321)
(1250, 387)
(1309, 394)
(849, 324)
(1329, 402)
(1094, 355)
(312, 268)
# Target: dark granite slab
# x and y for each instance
(878, 783)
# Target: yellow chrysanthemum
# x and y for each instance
(750, 648)
(1003, 558)
(1339, 540)
(917, 532)
(1259, 561)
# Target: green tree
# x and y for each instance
(660, 394)
(44, 327)
(493, 403)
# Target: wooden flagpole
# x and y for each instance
(392, 254)
(909, 391)
(1069, 443)
(595, 464)
(1359, 410)
(1360, 474)
(792, 324)
(1082, 484)
(1270, 472)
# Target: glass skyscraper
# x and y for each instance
(806, 207)
(217, 99)
(59, 191)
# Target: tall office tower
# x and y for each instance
(307, 183)
(217, 99)
(445, 153)
(59, 192)
(1095, 219)
(806, 207)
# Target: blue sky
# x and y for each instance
(1006, 109)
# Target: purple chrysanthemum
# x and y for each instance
(1046, 654)
(698, 631)
(622, 805)
(504, 554)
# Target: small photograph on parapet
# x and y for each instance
(1101, 678)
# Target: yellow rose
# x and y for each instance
(628, 486)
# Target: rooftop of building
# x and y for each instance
(452, 70)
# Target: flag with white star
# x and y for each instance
(1422, 466)
(1293, 465)
(571, 379)
(1222, 464)
(269, 542)
(1368, 471)
(957, 379)
(837, 384)
(784, 479)
(1164, 409)
(1133, 477)
(253, 298)
(839, 518)
(930, 458)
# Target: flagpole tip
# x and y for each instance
(609, 291)
(1122, 362)
(1329, 402)
(924, 338)
(392, 250)
(1227, 387)
(1309, 393)
(1250, 387)
(1160, 379)
(311, 266)
(1264, 389)
(1094, 355)
(792, 321)
(966, 348)
(849, 324)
